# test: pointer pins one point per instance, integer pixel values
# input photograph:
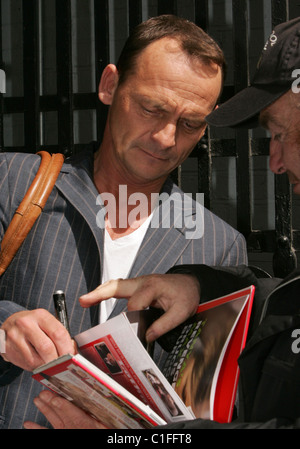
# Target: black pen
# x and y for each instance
(61, 308)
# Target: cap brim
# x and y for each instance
(242, 110)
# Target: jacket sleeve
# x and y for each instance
(7, 208)
(12, 191)
(7, 307)
(216, 282)
(220, 281)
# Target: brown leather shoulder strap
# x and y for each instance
(30, 207)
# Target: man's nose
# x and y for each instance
(165, 135)
(276, 163)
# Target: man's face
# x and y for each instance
(157, 115)
(282, 119)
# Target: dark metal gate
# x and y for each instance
(42, 108)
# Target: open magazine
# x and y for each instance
(114, 378)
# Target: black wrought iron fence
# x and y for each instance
(53, 52)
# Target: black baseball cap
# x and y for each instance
(273, 78)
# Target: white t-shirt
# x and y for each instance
(119, 256)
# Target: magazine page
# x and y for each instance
(225, 381)
(200, 375)
(93, 391)
(194, 366)
(115, 348)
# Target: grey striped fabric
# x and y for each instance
(64, 251)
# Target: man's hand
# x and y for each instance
(62, 414)
(34, 338)
(177, 294)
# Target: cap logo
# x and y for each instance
(272, 40)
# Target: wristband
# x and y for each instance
(2, 341)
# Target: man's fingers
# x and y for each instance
(47, 335)
(168, 321)
(20, 352)
(117, 288)
(143, 298)
(62, 414)
(33, 426)
(45, 406)
(177, 294)
(58, 335)
(34, 338)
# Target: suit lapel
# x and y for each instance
(76, 184)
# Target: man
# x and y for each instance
(167, 80)
(270, 363)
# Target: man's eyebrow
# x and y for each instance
(149, 101)
(195, 121)
(265, 118)
(193, 118)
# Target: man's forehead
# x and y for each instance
(166, 44)
(166, 47)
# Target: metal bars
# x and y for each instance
(31, 75)
(1, 94)
(65, 106)
(101, 24)
(284, 255)
(241, 79)
(34, 104)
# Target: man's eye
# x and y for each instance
(148, 111)
(191, 127)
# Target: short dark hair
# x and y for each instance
(193, 40)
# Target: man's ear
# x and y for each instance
(108, 83)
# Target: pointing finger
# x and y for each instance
(117, 288)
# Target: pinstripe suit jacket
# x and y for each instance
(64, 250)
